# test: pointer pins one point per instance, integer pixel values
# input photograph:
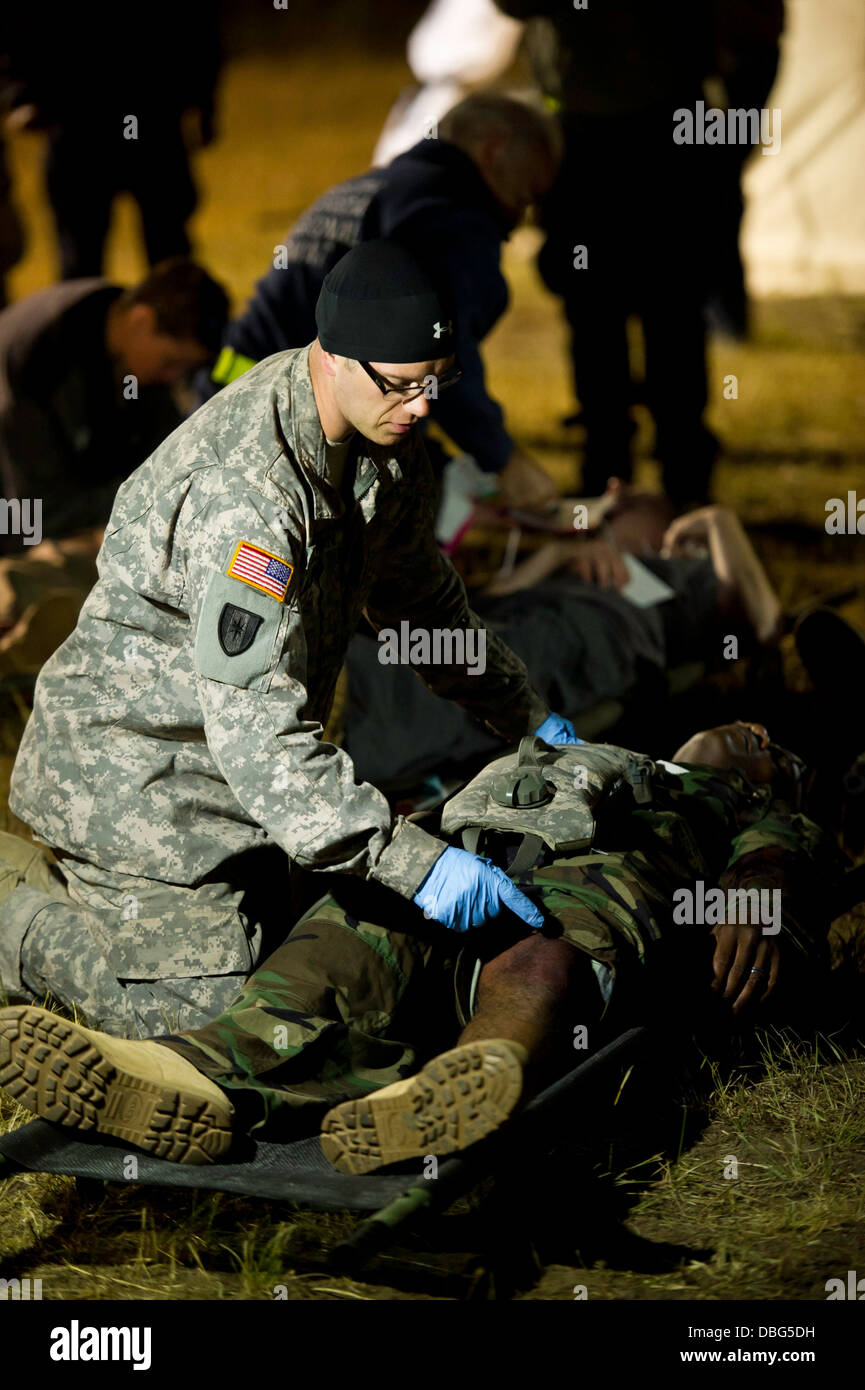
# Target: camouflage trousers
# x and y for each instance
(133, 956)
(358, 995)
(363, 990)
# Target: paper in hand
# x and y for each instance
(644, 589)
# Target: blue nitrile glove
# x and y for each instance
(555, 729)
(463, 890)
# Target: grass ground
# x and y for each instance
(792, 1117)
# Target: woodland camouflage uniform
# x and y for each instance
(362, 991)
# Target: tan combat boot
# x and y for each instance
(140, 1092)
(455, 1100)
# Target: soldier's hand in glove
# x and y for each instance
(463, 890)
(555, 729)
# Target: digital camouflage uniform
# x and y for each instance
(176, 734)
(362, 992)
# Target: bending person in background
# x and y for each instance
(89, 376)
(452, 201)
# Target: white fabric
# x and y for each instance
(457, 45)
(465, 41)
(463, 484)
(804, 229)
(413, 117)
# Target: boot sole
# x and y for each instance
(55, 1069)
(457, 1099)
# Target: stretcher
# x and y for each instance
(298, 1172)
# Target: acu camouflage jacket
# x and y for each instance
(181, 722)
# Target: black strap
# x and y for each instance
(524, 858)
(526, 855)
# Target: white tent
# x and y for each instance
(804, 229)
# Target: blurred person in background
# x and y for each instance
(748, 46)
(626, 224)
(122, 97)
(452, 200)
(11, 231)
(87, 377)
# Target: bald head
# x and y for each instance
(515, 144)
(528, 127)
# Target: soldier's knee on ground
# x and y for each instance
(63, 955)
(29, 882)
(132, 957)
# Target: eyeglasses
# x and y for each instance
(434, 384)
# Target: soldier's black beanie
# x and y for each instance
(378, 305)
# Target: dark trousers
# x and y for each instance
(635, 201)
(750, 87)
(84, 174)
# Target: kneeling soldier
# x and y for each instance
(175, 760)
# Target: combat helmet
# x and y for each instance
(551, 794)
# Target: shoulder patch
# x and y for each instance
(262, 569)
(237, 629)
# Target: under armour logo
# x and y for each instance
(440, 328)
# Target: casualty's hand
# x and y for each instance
(525, 485)
(688, 530)
(462, 891)
(556, 729)
(597, 562)
(739, 952)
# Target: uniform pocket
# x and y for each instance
(176, 940)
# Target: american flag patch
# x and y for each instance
(261, 569)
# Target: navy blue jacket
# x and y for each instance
(433, 199)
